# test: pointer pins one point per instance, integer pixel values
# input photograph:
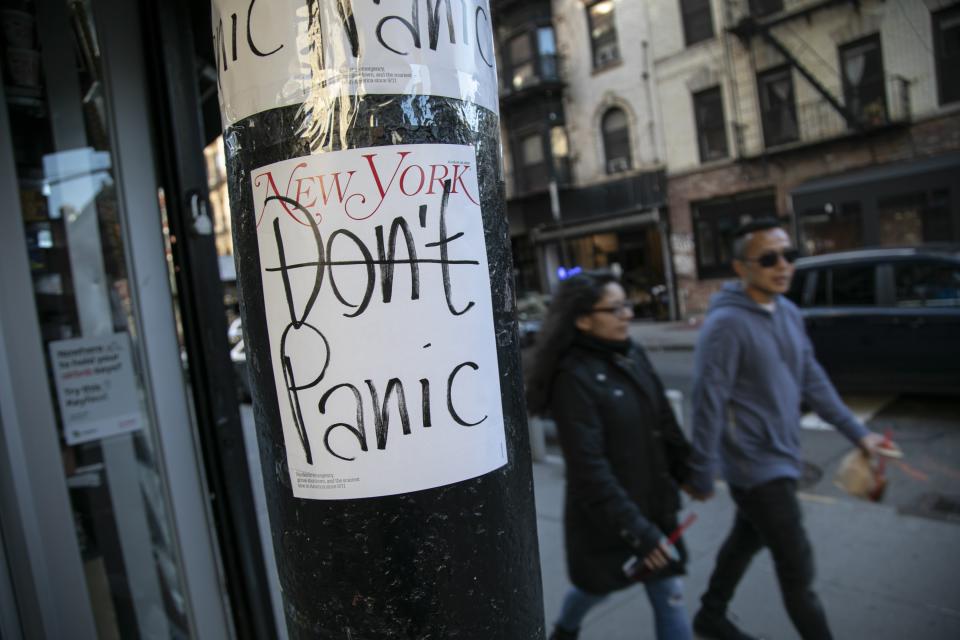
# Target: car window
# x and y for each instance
(853, 286)
(821, 297)
(795, 294)
(927, 284)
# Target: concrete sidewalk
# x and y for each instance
(666, 336)
(881, 575)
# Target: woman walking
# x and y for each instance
(624, 452)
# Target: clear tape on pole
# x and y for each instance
(322, 55)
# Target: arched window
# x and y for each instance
(616, 140)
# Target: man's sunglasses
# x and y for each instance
(771, 258)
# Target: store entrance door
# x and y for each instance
(102, 494)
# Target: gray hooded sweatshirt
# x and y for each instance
(753, 368)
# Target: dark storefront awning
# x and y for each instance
(619, 198)
(599, 226)
(879, 181)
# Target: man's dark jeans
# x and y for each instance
(769, 515)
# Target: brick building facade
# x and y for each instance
(778, 175)
(732, 109)
(833, 132)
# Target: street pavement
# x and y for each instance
(887, 570)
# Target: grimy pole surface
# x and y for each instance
(376, 282)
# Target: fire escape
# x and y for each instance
(531, 94)
(754, 20)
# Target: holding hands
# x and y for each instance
(694, 494)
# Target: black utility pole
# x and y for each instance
(373, 261)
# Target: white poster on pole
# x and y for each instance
(286, 52)
(96, 387)
(380, 321)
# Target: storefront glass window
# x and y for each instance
(900, 221)
(706, 243)
(832, 229)
(58, 113)
(634, 254)
(716, 221)
(914, 218)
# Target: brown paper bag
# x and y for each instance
(860, 476)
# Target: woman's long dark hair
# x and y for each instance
(574, 298)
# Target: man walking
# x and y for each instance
(754, 366)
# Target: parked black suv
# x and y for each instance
(884, 320)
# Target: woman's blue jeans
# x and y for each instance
(666, 597)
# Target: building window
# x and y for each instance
(533, 169)
(560, 150)
(711, 129)
(778, 108)
(531, 57)
(522, 64)
(714, 223)
(864, 89)
(616, 140)
(603, 34)
(946, 43)
(540, 156)
(547, 49)
(760, 8)
(697, 20)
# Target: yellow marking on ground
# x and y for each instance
(863, 407)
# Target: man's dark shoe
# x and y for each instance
(712, 626)
(560, 634)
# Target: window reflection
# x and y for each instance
(74, 234)
(603, 34)
(832, 229)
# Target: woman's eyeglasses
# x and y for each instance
(616, 309)
(771, 258)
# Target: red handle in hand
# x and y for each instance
(675, 535)
(638, 572)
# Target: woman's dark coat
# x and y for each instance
(625, 456)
